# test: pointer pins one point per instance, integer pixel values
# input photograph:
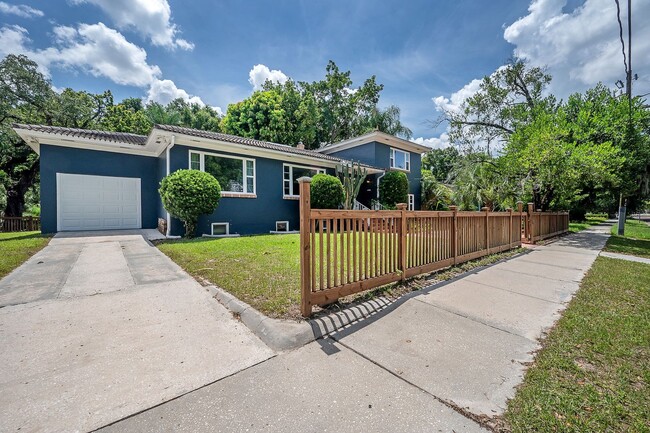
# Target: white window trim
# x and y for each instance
(220, 224)
(244, 172)
(407, 159)
(276, 226)
(291, 167)
(411, 203)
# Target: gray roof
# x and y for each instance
(141, 140)
(245, 141)
(108, 136)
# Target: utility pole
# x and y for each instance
(622, 205)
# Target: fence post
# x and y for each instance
(509, 210)
(402, 240)
(487, 228)
(305, 246)
(520, 209)
(529, 223)
(454, 234)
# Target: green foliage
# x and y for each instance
(352, 176)
(3, 199)
(440, 162)
(326, 192)
(25, 96)
(188, 194)
(313, 113)
(263, 116)
(393, 189)
(123, 117)
(435, 195)
(578, 154)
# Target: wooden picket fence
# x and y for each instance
(350, 251)
(542, 225)
(20, 224)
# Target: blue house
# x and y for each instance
(98, 180)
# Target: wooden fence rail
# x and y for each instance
(349, 251)
(20, 224)
(542, 225)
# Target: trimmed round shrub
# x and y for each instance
(188, 194)
(393, 189)
(326, 192)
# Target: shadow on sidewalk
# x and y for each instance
(358, 316)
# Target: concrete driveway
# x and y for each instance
(95, 328)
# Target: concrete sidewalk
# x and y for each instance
(440, 359)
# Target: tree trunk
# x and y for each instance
(16, 192)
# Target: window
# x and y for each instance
(400, 159)
(282, 226)
(235, 175)
(411, 202)
(220, 229)
(291, 175)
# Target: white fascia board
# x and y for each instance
(243, 149)
(380, 137)
(35, 138)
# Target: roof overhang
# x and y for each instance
(227, 146)
(159, 140)
(34, 139)
(376, 136)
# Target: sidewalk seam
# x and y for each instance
(179, 396)
(463, 412)
(475, 320)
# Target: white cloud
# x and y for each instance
(434, 142)
(582, 47)
(151, 18)
(23, 11)
(165, 91)
(218, 110)
(92, 48)
(100, 51)
(261, 73)
(457, 98)
(579, 48)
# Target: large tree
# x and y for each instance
(314, 113)
(574, 154)
(26, 96)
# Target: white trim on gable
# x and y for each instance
(379, 137)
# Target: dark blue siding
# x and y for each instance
(57, 159)
(378, 155)
(245, 215)
(364, 154)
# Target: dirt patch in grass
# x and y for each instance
(593, 373)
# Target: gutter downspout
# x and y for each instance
(378, 179)
(169, 218)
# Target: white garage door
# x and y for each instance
(97, 202)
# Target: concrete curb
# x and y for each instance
(282, 335)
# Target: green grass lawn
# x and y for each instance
(264, 271)
(591, 220)
(593, 373)
(636, 241)
(17, 247)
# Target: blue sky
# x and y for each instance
(428, 54)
